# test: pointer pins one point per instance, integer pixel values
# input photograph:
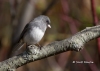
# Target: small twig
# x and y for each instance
(95, 22)
(95, 19)
(49, 7)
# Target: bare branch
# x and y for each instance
(34, 53)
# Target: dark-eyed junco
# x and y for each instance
(34, 31)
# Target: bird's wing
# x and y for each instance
(23, 32)
(26, 28)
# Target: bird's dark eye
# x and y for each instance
(47, 21)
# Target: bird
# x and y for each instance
(33, 31)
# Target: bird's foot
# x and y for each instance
(39, 46)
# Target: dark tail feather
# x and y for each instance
(17, 48)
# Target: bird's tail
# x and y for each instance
(17, 48)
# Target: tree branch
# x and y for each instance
(34, 53)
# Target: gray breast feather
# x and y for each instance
(34, 36)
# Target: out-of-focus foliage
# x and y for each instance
(98, 11)
(67, 18)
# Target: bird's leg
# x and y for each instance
(27, 51)
(39, 46)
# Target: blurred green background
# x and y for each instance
(67, 18)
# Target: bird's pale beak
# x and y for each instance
(49, 25)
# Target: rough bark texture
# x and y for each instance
(34, 53)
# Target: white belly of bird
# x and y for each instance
(34, 36)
